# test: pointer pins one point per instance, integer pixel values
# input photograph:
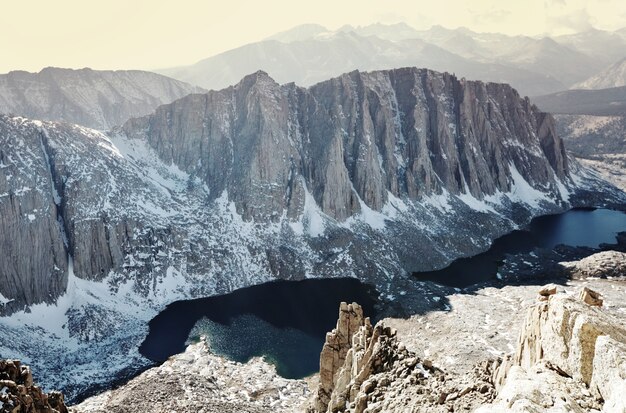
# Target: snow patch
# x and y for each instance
(522, 191)
(439, 201)
(476, 204)
(312, 220)
(4, 300)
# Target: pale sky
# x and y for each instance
(148, 34)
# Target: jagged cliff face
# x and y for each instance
(396, 154)
(93, 98)
(370, 175)
(357, 139)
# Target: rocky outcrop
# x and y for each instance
(601, 265)
(367, 369)
(336, 347)
(18, 393)
(570, 357)
(199, 381)
(97, 99)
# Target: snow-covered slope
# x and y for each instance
(612, 76)
(370, 175)
(93, 98)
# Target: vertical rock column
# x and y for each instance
(335, 349)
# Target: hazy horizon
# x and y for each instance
(153, 35)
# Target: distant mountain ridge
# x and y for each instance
(311, 53)
(601, 102)
(612, 76)
(97, 99)
(309, 61)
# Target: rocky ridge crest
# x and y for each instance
(570, 357)
(18, 393)
(365, 368)
(97, 99)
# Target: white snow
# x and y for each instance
(375, 219)
(53, 317)
(522, 191)
(476, 204)
(439, 201)
(4, 300)
(312, 220)
(563, 191)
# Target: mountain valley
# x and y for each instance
(180, 240)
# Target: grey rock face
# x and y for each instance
(33, 266)
(370, 175)
(573, 351)
(96, 99)
(359, 137)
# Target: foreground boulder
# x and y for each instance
(19, 394)
(571, 357)
(601, 265)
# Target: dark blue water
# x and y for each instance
(576, 228)
(287, 321)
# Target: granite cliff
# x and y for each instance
(368, 175)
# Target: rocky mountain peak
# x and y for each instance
(259, 77)
(358, 138)
(99, 99)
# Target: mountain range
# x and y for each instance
(311, 53)
(123, 191)
(371, 175)
(97, 99)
